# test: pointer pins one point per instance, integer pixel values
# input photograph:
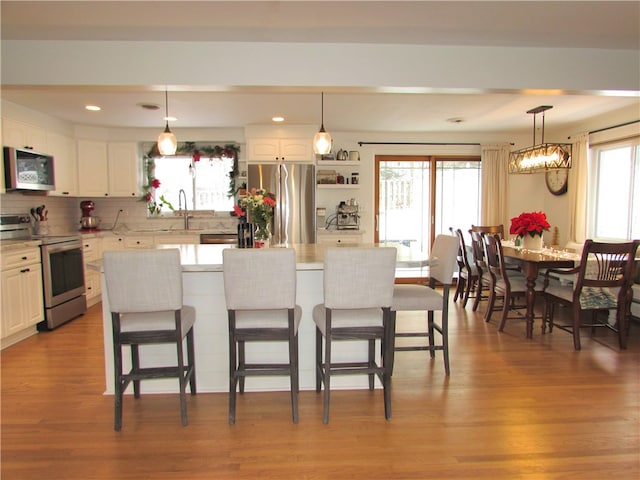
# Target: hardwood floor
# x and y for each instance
(511, 409)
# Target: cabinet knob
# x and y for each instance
(25, 270)
(24, 258)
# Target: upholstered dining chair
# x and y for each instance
(508, 284)
(411, 297)
(260, 310)
(600, 283)
(144, 291)
(358, 291)
(467, 269)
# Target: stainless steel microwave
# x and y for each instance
(25, 169)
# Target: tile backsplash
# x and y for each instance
(64, 214)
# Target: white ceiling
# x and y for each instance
(611, 25)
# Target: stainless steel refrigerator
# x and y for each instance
(293, 185)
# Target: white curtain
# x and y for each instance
(578, 187)
(495, 185)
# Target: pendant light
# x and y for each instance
(322, 141)
(541, 157)
(167, 142)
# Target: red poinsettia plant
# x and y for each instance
(532, 223)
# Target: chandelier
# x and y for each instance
(543, 156)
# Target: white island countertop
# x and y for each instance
(309, 256)
(208, 258)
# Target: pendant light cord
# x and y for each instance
(166, 106)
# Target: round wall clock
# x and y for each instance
(557, 180)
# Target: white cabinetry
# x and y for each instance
(92, 250)
(112, 242)
(22, 301)
(138, 242)
(23, 135)
(124, 169)
(108, 169)
(177, 238)
(336, 237)
(280, 150)
(65, 164)
(93, 167)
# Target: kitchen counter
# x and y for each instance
(208, 258)
(203, 288)
(10, 245)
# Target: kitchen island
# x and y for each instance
(204, 290)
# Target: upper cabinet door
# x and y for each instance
(124, 169)
(65, 163)
(296, 150)
(263, 149)
(93, 179)
(22, 135)
(279, 150)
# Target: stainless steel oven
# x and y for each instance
(62, 270)
(63, 280)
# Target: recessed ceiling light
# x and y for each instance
(277, 119)
(92, 108)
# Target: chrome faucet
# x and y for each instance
(181, 194)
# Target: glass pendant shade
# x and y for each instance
(167, 142)
(322, 142)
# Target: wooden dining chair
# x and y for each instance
(358, 293)
(260, 310)
(489, 229)
(467, 270)
(600, 283)
(510, 285)
(483, 283)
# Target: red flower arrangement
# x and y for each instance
(532, 223)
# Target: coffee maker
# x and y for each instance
(348, 216)
(88, 222)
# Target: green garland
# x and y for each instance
(196, 152)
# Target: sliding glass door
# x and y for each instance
(419, 197)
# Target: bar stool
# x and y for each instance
(145, 299)
(358, 290)
(260, 292)
(425, 298)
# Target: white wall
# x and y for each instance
(276, 64)
(526, 192)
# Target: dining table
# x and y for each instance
(532, 262)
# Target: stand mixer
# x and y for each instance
(88, 222)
